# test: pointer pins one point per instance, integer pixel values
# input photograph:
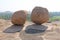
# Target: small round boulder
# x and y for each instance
(39, 15)
(19, 17)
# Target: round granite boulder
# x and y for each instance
(19, 17)
(39, 15)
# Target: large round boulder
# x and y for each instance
(19, 17)
(39, 15)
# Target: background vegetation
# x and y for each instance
(54, 16)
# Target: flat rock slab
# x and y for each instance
(13, 29)
(35, 28)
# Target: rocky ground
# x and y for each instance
(30, 31)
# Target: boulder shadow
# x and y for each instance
(34, 28)
(13, 29)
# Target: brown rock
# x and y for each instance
(39, 15)
(19, 17)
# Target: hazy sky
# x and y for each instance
(14, 5)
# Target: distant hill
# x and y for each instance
(54, 14)
(6, 15)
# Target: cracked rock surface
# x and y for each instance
(30, 31)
